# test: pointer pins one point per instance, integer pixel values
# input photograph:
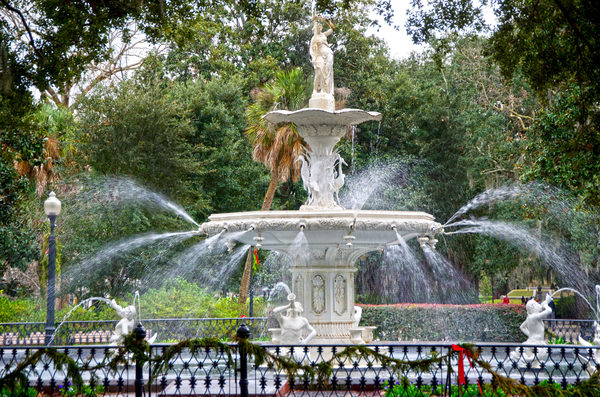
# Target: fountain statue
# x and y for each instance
(333, 238)
(322, 61)
(533, 328)
(127, 323)
(294, 329)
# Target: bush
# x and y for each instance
(20, 310)
(457, 323)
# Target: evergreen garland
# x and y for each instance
(133, 350)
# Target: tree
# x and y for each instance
(138, 129)
(277, 147)
(553, 44)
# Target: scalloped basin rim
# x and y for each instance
(331, 214)
(320, 116)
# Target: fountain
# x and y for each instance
(323, 239)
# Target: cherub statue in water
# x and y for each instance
(127, 323)
(293, 325)
(533, 328)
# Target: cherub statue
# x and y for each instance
(533, 328)
(293, 325)
(126, 324)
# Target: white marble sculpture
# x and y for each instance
(322, 60)
(356, 316)
(127, 323)
(595, 355)
(533, 328)
(295, 329)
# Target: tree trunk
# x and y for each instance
(245, 284)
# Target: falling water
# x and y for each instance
(352, 166)
(487, 197)
(83, 302)
(377, 140)
(299, 248)
(582, 297)
(362, 186)
(118, 190)
(406, 271)
(198, 261)
(550, 252)
(116, 250)
(452, 285)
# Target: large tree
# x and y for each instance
(554, 45)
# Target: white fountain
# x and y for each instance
(333, 237)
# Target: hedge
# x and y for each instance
(435, 322)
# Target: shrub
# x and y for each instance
(20, 310)
(434, 322)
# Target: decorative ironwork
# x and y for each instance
(211, 371)
(96, 332)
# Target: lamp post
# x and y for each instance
(506, 282)
(52, 209)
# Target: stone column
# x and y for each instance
(325, 287)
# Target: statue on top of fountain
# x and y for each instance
(295, 329)
(533, 328)
(322, 61)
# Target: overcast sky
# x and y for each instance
(398, 41)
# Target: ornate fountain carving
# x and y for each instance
(339, 293)
(318, 294)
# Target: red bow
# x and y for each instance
(461, 366)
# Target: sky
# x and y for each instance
(399, 43)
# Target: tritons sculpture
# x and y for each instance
(294, 329)
(533, 328)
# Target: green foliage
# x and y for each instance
(139, 129)
(446, 322)
(19, 310)
(564, 145)
(566, 307)
(182, 299)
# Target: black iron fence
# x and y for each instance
(97, 332)
(393, 369)
(570, 330)
(170, 330)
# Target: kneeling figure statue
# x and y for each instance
(295, 329)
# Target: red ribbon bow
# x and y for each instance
(461, 366)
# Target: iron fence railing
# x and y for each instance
(216, 370)
(170, 330)
(570, 330)
(96, 332)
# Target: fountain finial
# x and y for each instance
(322, 60)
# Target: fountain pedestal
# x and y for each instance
(326, 290)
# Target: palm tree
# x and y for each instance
(276, 146)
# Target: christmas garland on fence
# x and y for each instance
(317, 375)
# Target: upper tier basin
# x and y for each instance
(322, 228)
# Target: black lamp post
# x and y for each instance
(52, 209)
(506, 282)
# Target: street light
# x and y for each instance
(52, 209)
(506, 281)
